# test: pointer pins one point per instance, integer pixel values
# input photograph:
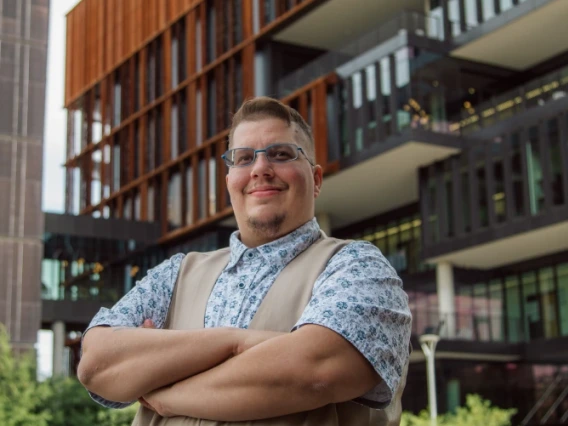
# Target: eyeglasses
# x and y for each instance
(277, 153)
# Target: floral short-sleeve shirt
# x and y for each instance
(358, 295)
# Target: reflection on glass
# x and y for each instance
(513, 301)
(548, 302)
(562, 273)
(534, 170)
(174, 202)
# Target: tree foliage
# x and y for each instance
(55, 402)
(477, 411)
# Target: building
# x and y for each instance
(442, 128)
(23, 57)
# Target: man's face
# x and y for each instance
(270, 200)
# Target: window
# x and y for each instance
(482, 196)
(555, 162)
(534, 169)
(517, 175)
(385, 94)
(202, 184)
(548, 302)
(174, 126)
(117, 100)
(211, 107)
(514, 312)
(189, 195)
(96, 159)
(116, 165)
(562, 274)
(212, 185)
(402, 62)
(499, 194)
(211, 33)
(237, 21)
(174, 201)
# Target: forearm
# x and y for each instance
(282, 376)
(124, 364)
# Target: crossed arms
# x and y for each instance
(224, 374)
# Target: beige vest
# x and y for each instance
(281, 308)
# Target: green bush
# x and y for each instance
(55, 402)
(477, 411)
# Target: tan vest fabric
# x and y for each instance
(279, 311)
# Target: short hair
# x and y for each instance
(263, 107)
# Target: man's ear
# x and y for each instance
(318, 180)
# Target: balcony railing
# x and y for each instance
(534, 94)
(411, 22)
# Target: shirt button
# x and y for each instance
(250, 254)
(241, 285)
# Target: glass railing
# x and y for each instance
(536, 93)
(412, 22)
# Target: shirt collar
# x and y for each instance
(281, 251)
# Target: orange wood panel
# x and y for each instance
(319, 125)
(167, 66)
(208, 211)
(142, 65)
(247, 18)
(190, 22)
(144, 201)
(248, 74)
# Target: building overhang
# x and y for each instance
(383, 177)
(514, 242)
(537, 26)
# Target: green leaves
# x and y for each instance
(55, 402)
(477, 411)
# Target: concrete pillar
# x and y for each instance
(446, 298)
(324, 223)
(59, 368)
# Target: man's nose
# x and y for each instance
(261, 166)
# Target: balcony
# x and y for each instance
(502, 202)
(507, 33)
(398, 31)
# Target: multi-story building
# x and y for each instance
(23, 57)
(441, 126)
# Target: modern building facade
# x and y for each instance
(23, 57)
(441, 126)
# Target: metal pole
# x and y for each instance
(428, 343)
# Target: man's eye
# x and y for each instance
(243, 159)
(282, 154)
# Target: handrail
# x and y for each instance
(542, 399)
(411, 21)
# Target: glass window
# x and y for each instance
(499, 194)
(465, 201)
(174, 201)
(548, 300)
(449, 203)
(385, 94)
(174, 127)
(127, 208)
(211, 33)
(534, 169)
(482, 197)
(117, 100)
(496, 310)
(562, 274)
(488, 7)
(517, 175)
(106, 158)
(211, 107)
(136, 127)
(202, 183)
(189, 195)
(237, 21)
(151, 203)
(159, 136)
(531, 306)
(403, 95)
(174, 59)
(116, 165)
(96, 158)
(555, 162)
(137, 211)
(198, 52)
(433, 211)
(514, 313)
(481, 312)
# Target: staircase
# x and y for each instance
(551, 409)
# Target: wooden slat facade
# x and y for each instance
(119, 77)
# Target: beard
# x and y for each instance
(267, 227)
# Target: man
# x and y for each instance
(285, 327)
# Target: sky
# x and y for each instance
(54, 142)
(55, 116)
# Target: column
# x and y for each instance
(58, 329)
(446, 299)
(324, 223)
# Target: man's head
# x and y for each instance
(269, 198)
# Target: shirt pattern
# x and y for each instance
(358, 295)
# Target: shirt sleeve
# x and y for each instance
(149, 299)
(360, 296)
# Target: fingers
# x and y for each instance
(148, 324)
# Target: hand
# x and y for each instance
(155, 401)
(148, 324)
(250, 338)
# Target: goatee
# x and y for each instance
(269, 227)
